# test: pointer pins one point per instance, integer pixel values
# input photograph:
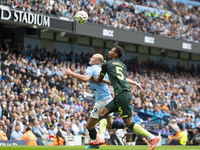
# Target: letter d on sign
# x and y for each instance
(3, 13)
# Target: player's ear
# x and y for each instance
(116, 55)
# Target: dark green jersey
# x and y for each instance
(117, 72)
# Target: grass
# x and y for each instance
(101, 148)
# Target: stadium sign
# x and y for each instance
(150, 40)
(24, 17)
(12, 142)
(109, 33)
(187, 46)
(132, 37)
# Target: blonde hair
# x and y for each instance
(100, 57)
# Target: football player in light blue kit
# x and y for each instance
(102, 97)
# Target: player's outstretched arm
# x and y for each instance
(84, 78)
(134, 83)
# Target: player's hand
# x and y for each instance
(139, 87)
(191, 142)
(67, 71)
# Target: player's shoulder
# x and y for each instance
(94, 68)
(108, 62)
(122, 63)
(90, 68)
(115, 62)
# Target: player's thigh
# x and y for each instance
(97, 107)
(111, 107)
(91, 123)
(105, 111)
(103, 108)
(123, 103)
(109, 122)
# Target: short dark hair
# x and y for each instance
(28, 128)
(119, 50)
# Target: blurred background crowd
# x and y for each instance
(34, 93)
(172, 18)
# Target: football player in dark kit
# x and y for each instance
(117, 72)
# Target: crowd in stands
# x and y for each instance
(159, 17)
(34, 93)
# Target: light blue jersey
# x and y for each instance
(100, 90)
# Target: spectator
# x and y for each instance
(5, 111)
(29, 137)
(195, 140)
(43, 130)
(148, 120)
(167, 131)
(83, 130)
(163, 130)
(51, 132)
(74, 126)
(59, 140)
(180, 138)
(3, 135)
(36, 129)
(174, 125)
(136, 118)
(16, 134)
(157, 128)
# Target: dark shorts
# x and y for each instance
(121, 104)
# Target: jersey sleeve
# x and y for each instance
(103, 69)
(89, 71)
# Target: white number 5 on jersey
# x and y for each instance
(119, 72)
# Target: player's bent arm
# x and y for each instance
(131, 81)
(98, 79)
(84, 78)
(106, 81)
(134, 83)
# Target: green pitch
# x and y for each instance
(101, 148)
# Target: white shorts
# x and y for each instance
(98, 106)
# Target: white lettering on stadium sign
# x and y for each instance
(109, 33)
(187, 46)
(150, 40)
(24, 17)
(7, 144)
(12, 142)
